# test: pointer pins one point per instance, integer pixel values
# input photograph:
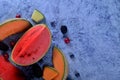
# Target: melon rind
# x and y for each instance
(12, 20)
(65, 63)
(40, 56)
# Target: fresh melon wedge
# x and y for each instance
(60, 64)
(32, 46)
(9, 72)
(13, 26)
(13, 74)
(49, 73)
(37, 16)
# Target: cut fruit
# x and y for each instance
(8, 71)
(13, 26)
(60, 64)
(13, 74)
(32, 46)
(37, 16)
(49, 73)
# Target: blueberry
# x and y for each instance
(77, 74)
(3, 46)
(53, 24)
(64, 29)
(72, 56)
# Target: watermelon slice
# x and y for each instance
(8, 71)
(32, 46)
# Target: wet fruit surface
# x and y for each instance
(24, 54)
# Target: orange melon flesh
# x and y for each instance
(32, 46)
(13, 26)
(49, 73)
(60, 64)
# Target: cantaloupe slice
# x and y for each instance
(13, 26)
(60, 64)
(49, 73)
(32, 46)
(37, 16)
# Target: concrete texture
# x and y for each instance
(93, 28)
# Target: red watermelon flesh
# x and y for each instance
(32, 46)
(8, 71)
(13, 74)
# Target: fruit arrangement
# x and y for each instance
(27, 51)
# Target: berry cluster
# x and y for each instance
(64, 31)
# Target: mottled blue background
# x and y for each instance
(94, 30)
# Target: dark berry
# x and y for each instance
(63, 29)
(18, 16)
(53, 24)
(72, 56)
(12, 43)
(3, 46)
(37, 71)
(6, 56)
(77, 74)
(67, 40)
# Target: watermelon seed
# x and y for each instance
(19, 49)
(33, 58)
(29, 54)
(21, 56)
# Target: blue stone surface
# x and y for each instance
(93, 28)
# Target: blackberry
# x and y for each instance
(63, 29)
(3, 46)
(37, 71)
